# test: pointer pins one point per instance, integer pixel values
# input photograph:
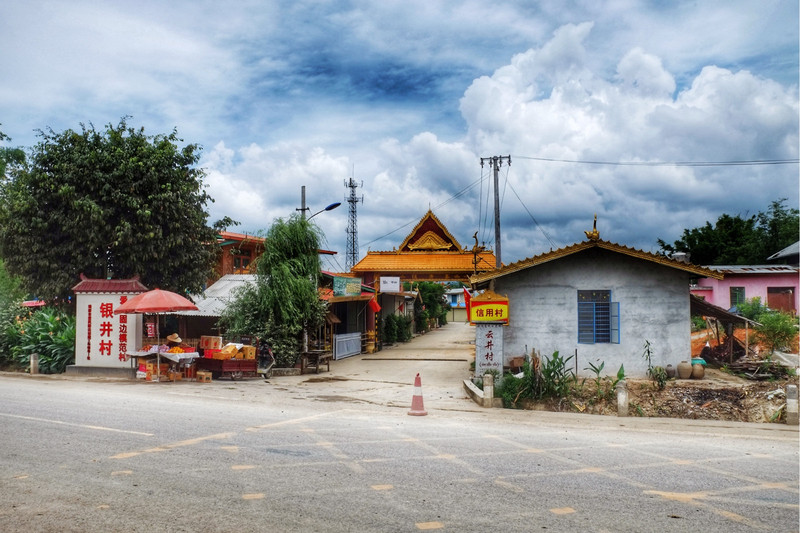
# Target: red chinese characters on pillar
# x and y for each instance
(123, 332)
(89, 332)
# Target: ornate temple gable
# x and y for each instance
(430, 234)
(430, 241)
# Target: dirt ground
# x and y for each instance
(720, 395)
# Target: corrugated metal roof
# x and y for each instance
(216, 297)
(789, 251)
(700, 307)
(579, 247)
(755, 269)
(128, 286)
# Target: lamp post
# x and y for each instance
(303, 207)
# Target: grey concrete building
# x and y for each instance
(598, 301)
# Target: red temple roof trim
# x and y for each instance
(430, 230)
(132, 285)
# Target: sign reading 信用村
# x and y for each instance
(488, 307)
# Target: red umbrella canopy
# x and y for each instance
(155, 301)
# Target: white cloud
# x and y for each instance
(303, 93)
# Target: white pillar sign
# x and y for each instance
(488, 348)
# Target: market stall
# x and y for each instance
(157, 302)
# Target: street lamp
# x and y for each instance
(328, 208)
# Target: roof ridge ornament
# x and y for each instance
(593, 235)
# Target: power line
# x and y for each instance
(460, 193)
(753, 162)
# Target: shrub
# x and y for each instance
(46, 332)
(390, 329)
(539, 381)
(751, 309)
(777, 330)
(698, 323)
(403, 328)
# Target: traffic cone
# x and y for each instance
(417, 409)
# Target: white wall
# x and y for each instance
(99, 333)
(654, 306)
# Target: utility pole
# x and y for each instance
(303, 207)
(352, 224)
(496, 162)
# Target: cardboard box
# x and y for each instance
(203, 376)
(209, 353)
(210, 343)
(230, 349)
(248, 352)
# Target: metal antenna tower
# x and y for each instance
(352, 224)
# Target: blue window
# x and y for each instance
(598, 317)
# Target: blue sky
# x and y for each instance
(408, 96)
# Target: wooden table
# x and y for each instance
(315, 359)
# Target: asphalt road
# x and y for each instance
(338, 452)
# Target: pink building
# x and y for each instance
(776, 285)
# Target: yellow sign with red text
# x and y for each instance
(488, 307)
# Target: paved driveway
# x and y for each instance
(442, 358)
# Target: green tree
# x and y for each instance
(434, 302)
(284, 302)
(734, 240)
(11, 296)
(111, 202)
(9, 157)
(778, 227)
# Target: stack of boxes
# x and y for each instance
(213, 349)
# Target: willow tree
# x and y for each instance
(112, 202)
(283, 303)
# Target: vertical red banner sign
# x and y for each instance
(89, 332)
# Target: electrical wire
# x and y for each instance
(460, 193)
(753, 162)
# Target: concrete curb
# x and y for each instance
(476, 395)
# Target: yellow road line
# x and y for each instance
(172, 446)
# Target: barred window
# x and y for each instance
(598, 317)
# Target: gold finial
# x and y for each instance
(593, 235)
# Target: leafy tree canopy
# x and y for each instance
(284, 300)
(734, 240)
(114, 202)
(434, 301)
(9, 157)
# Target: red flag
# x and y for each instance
(374, 305)
(467, 297)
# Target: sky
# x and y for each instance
(612, 108)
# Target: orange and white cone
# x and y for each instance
(417, 409)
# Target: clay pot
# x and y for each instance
(698, 371)
(670, 371)
(684, 370)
